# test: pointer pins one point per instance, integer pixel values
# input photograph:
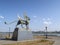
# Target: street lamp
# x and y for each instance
(46, 32)
(46, 22)
(9, 28)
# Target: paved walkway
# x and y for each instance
(56, 39)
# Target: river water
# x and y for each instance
(4, 34)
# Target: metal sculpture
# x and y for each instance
(21, 21)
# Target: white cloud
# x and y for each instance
(47, 21)
(34, 16)
(2, 17)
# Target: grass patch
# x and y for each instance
(36, 42)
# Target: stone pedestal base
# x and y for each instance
(21, 34)
(24, 35)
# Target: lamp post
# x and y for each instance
(9, 28)
(46, 22)
(46, 32)
(9, 31)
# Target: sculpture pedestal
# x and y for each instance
(24, 35)
(21, 34)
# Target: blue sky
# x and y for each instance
(41, 13)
